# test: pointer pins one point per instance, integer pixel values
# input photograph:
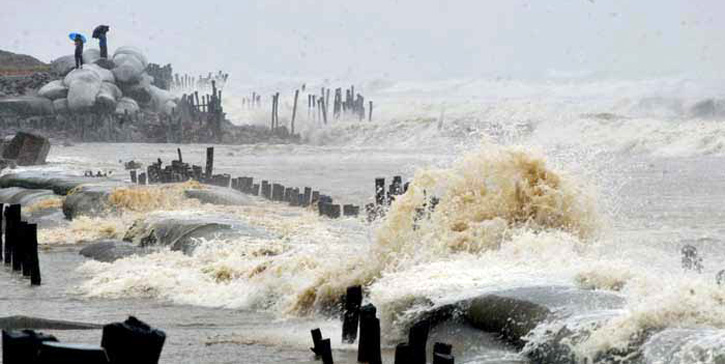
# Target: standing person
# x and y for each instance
(79, 51)
(100, 33)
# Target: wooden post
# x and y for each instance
(294, 113)
(316, 342)
(178, 151)
(276, 110)
(33, 261)
(307, 199)
(2, 212)
(209, 162)
(327, 99)
(326, 351)
(133, 176)
(274, 100)
(351, 314)
(402, 353)
(369, 345)
(323, 110)
(417, 338)
(12, 219)
(380, 191)
(26, 251)
(370, 112)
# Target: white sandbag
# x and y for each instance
(160, 98)
(83, 87)
(107, 98)
(91, 55)
(112, 89)
(139, 92)
(60, 106)
(132, 51)
(169, 107)
(104, 74)
(84, 75)
(63, 65)
(53, 90)
(128, 68)
(105, 63)
(126, 104)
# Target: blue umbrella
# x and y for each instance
(73, 37)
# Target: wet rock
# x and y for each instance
(27, 149)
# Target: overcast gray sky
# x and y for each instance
(403, 39)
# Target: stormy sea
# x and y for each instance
(544, 222)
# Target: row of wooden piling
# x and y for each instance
(189, 82)
(179, 171)
(318, 106)
(20, 249)
(356, 315)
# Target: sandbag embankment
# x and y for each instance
(112, 250)
(100, 85)
(181, 232)
(59, 184)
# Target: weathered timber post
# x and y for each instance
(369, 345)
(294, 113)
(417, 338)
(402, 353)
(2, 212)
(316, 342)
(351, 314)
(326, 349)
(370, 111)
(209, 162)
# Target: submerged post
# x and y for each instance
(209, 162)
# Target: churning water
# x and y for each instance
(574, 187)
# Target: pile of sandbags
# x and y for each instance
(116, 85)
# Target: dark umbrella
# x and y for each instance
(101, 29)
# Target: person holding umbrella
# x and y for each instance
(78, 39)
(100, 33)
